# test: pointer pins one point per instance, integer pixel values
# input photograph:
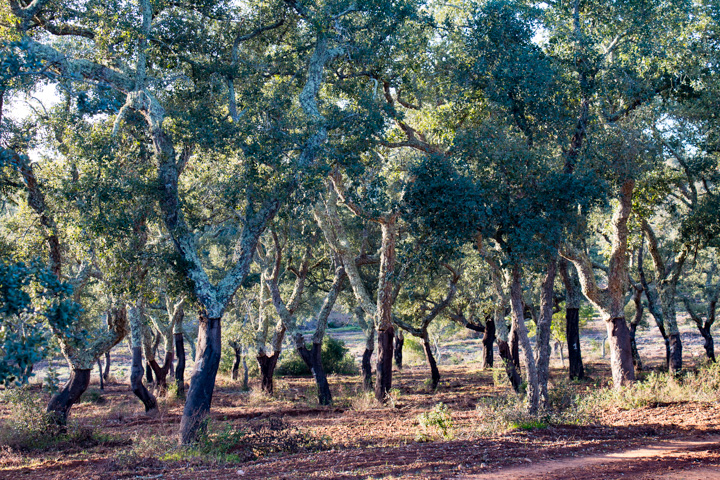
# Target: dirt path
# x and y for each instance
(688, 459)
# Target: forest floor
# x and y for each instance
(290, 437)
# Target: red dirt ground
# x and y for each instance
(662, 441)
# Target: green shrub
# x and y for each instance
(436, 422)
(335, 359)
(702, 385)
(31, 428)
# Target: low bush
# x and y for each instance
(335, 358)
(435, 423)
(701, 385)
(31, 428)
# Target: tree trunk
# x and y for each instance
(383, 379)
(313, 359)
(100, 374)
(136, 381)
(106, 373)
(621, 360)
(544, 324)
(180, 370)
(161, 373)
(637, 361)
(487, 341)
(509, 364)
(572, 325)
(62, 401)
(515, 350)
(267, 368)
(246, 374)
(519, 328)
(573, 299)
(366, 366)
(149, 374)
(709, 343)
(399, 341)
(235, 372)
(675, 353)
(434, 372)
(202, 381)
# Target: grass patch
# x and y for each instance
(32, 429)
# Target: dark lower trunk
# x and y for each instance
(136, 381)
(383, 378)
(62, 401)
(434, 372)
(106, 372)
(487, 341)
(180, 370)
(621, 360)
(235, 372)
(637, 361)
(149, 373)
(366, 366)
(572, 325)
(399, 341)
(515, 350)
(100, 374)
(267, 368)
(313, 359)
(510, 369)
(675, 353)
(161, 373)
(202, 381)
(246, 374)
(709, 344)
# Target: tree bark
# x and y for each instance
(399, 341)
(509, 364)
(572, 319)
(313, 359)
(621, 360)
(518, 326)
(434, 372)
(106, 373)
(202, 381)
(544, 324)
(576, 370)
(136, 381)
(487, 341)
(149, 373)
(135, 313)
(71, 392)
(180, 369)
(515, 350)
(383, 379)
(267, 368)
(100, 374)
(709, 344)
(161, 373)
(235, 372)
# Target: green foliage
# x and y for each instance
(51, 382)
(335, 358)
(436, 422)
(31, 428)
(33, 303)
(702, 385)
